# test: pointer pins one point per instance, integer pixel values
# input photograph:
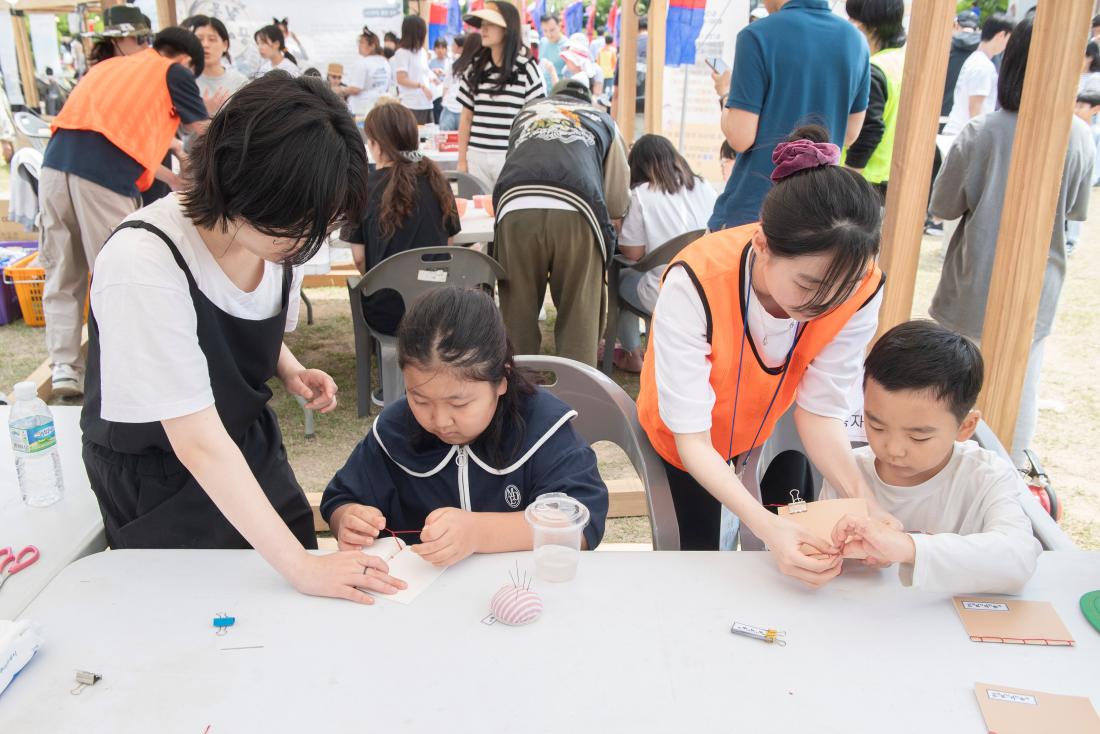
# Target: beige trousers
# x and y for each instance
(77, 218)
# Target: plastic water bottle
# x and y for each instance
(34, 444)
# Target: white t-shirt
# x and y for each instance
(685, 397)
(450, 90)
(151, 365)
(977, 78)
(372, 75)
(971, 534)
(416, 66)
(286, 65)
(655, 217)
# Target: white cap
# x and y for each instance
(26, 390)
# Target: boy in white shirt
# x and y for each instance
(960, 504)
(976, 87)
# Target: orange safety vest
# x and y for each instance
(126, 100)
(717, 264)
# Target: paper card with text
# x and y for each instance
(1012, 621)
(1018, 711)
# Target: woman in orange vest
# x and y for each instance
(751, 320)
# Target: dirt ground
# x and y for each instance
(1069, 422)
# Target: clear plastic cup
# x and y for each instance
(557, 521)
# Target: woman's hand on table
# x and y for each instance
(318, 389)
(344, 575)
(357, 526)
(785, 538)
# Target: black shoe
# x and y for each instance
(935, 229)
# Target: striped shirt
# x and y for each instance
(494, 111)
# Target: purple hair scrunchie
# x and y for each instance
(798, 155)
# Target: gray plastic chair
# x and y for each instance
(412, 274)
(785, 438)
(466, 185)
(606, 413)
(615, 303)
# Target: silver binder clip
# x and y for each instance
(797, 503)
(83, 680)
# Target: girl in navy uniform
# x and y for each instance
(472, 444)
(190, 300)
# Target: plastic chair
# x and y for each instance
(1049, 533)
(785, 438)
(412, 274)
(606, 413)
(658, 258)
(466, 185)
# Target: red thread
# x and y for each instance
(394, 533)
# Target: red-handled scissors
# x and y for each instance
(12, 563)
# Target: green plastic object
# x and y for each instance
(1090, 607)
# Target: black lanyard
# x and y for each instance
(737, 389)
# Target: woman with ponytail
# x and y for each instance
(271, 44)
(751, 321)
(456, 461)
(409, 205)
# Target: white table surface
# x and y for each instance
(638, 642)
(63, 532)
(477, 226)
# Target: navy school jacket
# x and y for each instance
(386, 470)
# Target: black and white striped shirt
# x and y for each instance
(494, 111)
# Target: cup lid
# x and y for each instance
(557, 510)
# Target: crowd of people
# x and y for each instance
(773, 309)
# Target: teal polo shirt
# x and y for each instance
(803, 64)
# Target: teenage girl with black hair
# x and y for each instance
(272, 47)
(471, 444)
(189, 304)
(368, 77)
(502, 78)
(753, 320)
(411, 71)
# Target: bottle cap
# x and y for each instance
(26, 390)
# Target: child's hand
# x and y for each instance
(357, 525)
(449, 535)
(785, 539)
(883, 544)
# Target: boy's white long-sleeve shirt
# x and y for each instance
(970, 531)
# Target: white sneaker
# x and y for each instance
(67, 382)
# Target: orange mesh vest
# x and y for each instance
(126, 100)
(717, 264)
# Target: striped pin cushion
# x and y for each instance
(515, 605)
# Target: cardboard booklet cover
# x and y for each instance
(1012, 621)
(822, 516)
(1018, 711)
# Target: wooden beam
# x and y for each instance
(628, 73)
(1027, 216)
(655, 67)
(25, 59)
(922, 83)
(166, 13)
(626, 498)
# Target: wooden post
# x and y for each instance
(922, 82)
(166, 13)
(1027, 216)
(628, 72)
(655, 67)
(25, 59)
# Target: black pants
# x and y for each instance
(699, 514)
